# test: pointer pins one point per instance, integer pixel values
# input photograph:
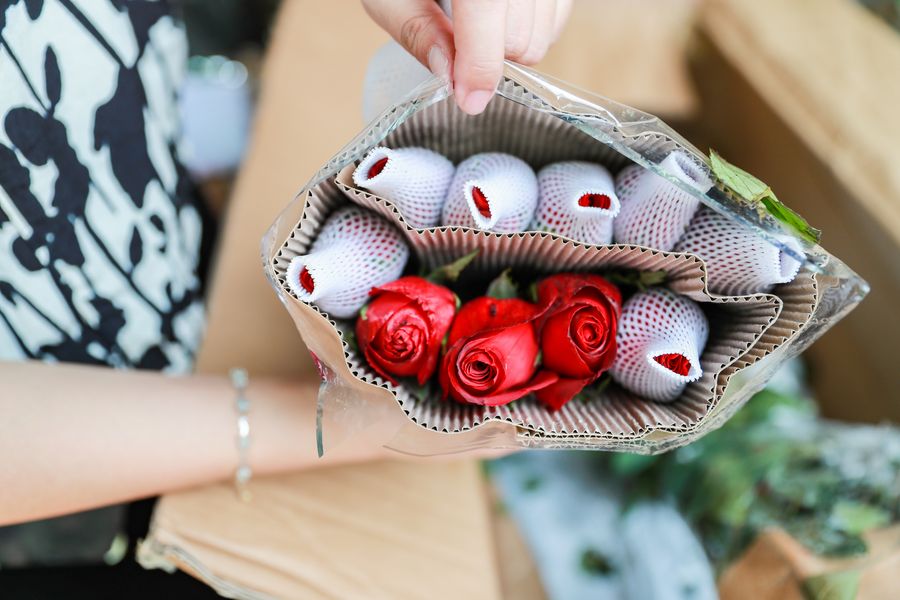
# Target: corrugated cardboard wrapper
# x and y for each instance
(542, 122)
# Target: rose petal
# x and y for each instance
(565, 286)
(560, 353)
(435, 302)
(485, 314)
(557, 394)
(538, 382)
(512, 349)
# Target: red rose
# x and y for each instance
(578, 332)
(492, 351)
(401, 331)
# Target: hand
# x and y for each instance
(470, 47)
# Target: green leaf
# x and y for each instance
(533, 292)
(842, 585)
(503, 287)
(642, 280)
(594, 390)
(650, 278)
(350, 338)
(601, 384)
(791, 219)
(532, 483)
(856, 517)
(451, 272)
(817, 534)
(759, 194)
(738, 180)
(538, 359)
(631, 464)
(362, 312)
(422, 392)
(596, 563)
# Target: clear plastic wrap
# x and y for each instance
(750, 334)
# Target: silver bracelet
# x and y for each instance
(243, 473)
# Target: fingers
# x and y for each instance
(542, 32)
(479, 30)
(519, 24)
(471, 50)
(563, 10)
(420, 27)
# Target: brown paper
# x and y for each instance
(313, 535)
(776, 565)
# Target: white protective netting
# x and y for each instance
(655, 212)
(737, 261)
(415, 180)
(577, 200)
(355, 251)
(492, 191)
(392, 73)
(660, 339)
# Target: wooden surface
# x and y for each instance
(804, 94)
(519, 577)
(631, 52)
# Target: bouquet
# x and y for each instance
(559, 271)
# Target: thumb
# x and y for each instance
(420, 27)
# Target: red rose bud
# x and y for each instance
(578, 335)
(492, 351)
(401, 331)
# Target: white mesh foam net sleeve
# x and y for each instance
(392, 73)
(576, 200)
(738, 262)
(415, 180)
(355, 251)
(654, 212)
(658, 323)
(492, 191)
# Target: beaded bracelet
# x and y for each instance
(242, 474)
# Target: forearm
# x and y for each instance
(75, 437)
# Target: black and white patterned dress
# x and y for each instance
(99, 237)
(99, 232)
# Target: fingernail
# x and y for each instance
(438, 63)
(475, 102)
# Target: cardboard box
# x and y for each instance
(804, 95)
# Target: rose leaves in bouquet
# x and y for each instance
(578, 332)
(493, 353)
(402, 329)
